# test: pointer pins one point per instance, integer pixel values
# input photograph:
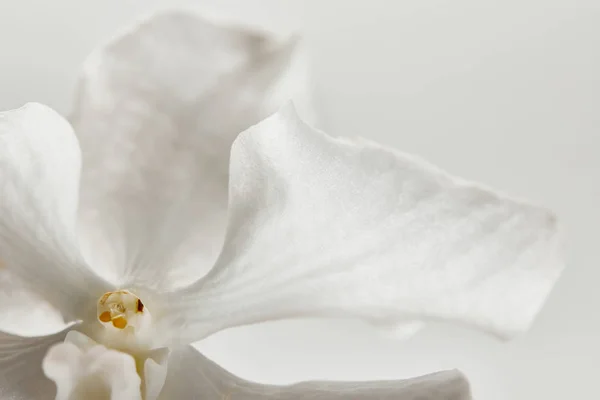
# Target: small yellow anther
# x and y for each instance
(119, 322)
(105, 316)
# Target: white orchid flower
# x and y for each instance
(110, 221)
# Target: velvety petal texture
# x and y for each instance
(156, 113)
(329, 227)
(39, 185)
(21, 374)
(193, 376)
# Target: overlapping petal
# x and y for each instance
(156, 113)
(39, 184)
(327, 227)
(21, 374)
(192, 376)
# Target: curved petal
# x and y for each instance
(192, 376)
(24, 312)
(21, 374)
(325, 227)
(157, 111)
(39, 183)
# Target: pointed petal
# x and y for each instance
(23, 312)
(193, 376)
(157, 111)
(21, 375)
(39, 182)
(327, 227)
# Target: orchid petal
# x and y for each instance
(157, 111)
(21, 375)
(23, 312)
(192, 376)
(327, 227)
(39, 183)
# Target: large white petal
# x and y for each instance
(21, 374)
(39, 183)
(23, 312)
(327, 227)
(156, 113)
(193, 376)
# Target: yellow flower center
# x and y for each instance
(120, 309)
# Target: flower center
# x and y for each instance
(120, 356)
(121, 309)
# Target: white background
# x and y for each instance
(503, 92)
